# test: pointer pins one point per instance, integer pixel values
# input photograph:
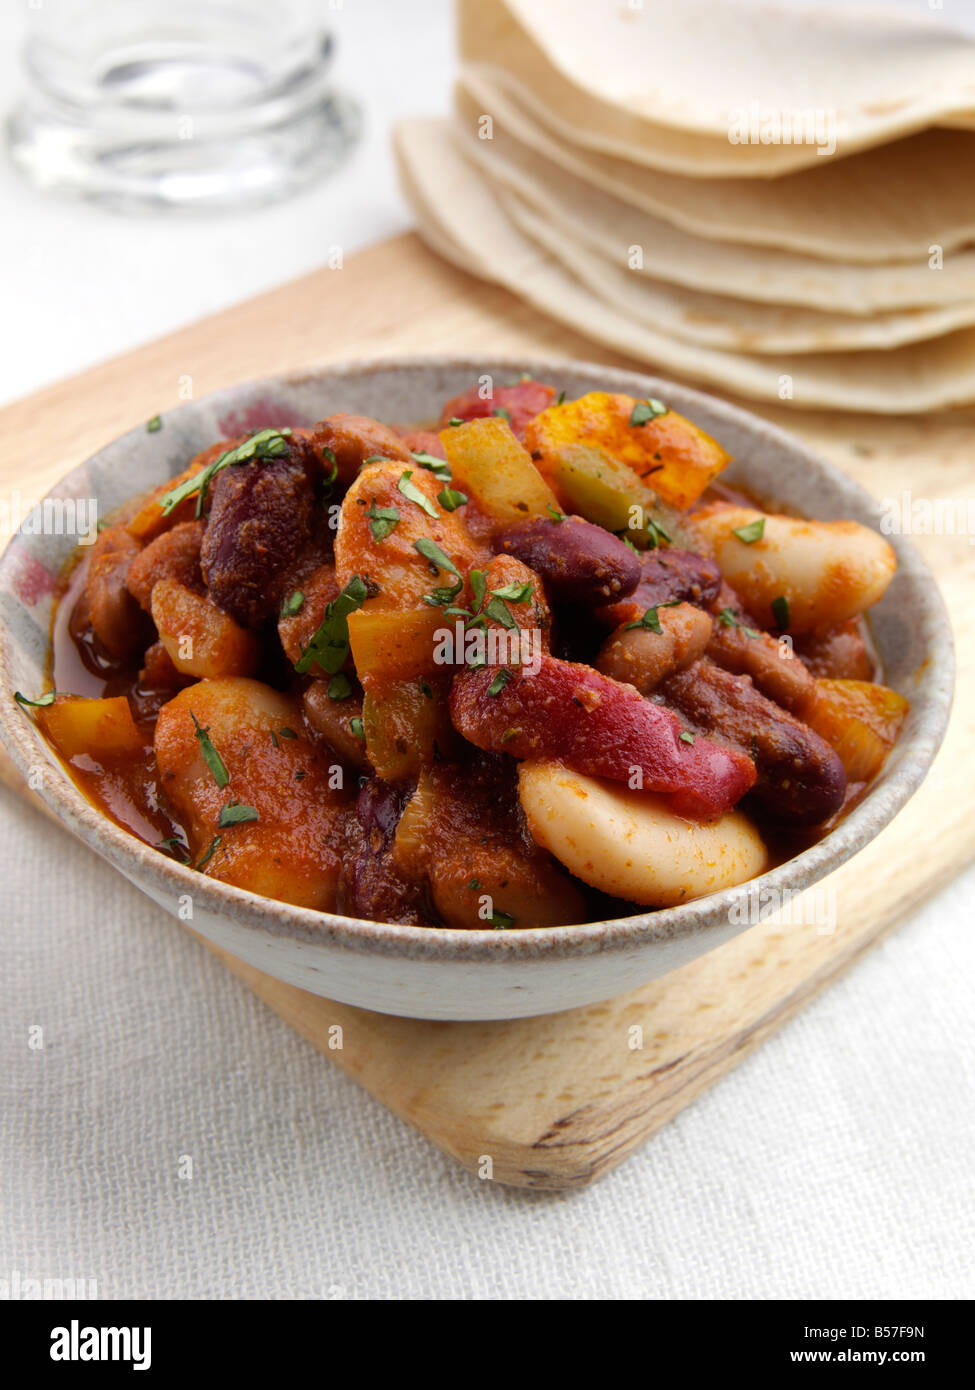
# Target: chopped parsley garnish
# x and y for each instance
(266, 444)
(478, 583)
(211, 757)
(215, 844)
(235, 814)
(292, 605)
(780, 611)
(656, 534)
(474, 883)
(647, 410)
(382, 520)
(358, 731)
(751, 533)
(411, 491)
(727, 618)
(330, 645)
(176, 847)
(497, 610)
(41, 702)
(328, 456)
(434, 464)
(514, 592)
(456, 420)
(499, 682)
(554, 513)
(287, 733)
(153, 425)
(561, 399)
(426, 688)
(432, 552)
(339, 687)
(450, 499)
(501, 921)
(651, 618)
(502, 413)
(300, 775)
(685, 737)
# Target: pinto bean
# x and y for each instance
(800, 778)
(332, 721)
(838, 653)
(173, 555)
(355, 438)
(666, 575)
(108, 606)
(641, 657)
(260, 521)
(298, 628)
(580, 562)
(774, 667)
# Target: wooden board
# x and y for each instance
(555, 1101)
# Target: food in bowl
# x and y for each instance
(534, 667)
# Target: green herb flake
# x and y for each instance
(236, 814)
(329, 647)
(211, 757)
(339, 687)
(450, 499)
(554, 513)
(300, 775)
(645, 411)
(685, 737)
(426, 688)
(287, 733)
(474, 884)
(514, 593)
(215, 844)
(382, 520)
(413, 493)
(154, 425)
(357, 729)
(499, 682)
(561, 399)
(751, 533)
(502, 413)
(292, 605)
(651, 618)
(266, 444)
(780, 612)
(274, 739)
(176, 847)
(497, 610)
(750, 632)
(455, 420)
(433, 464)
(41, 702)
(727, 618)
(501, 921)
(478, 583)
(432, 552)
(656, 534)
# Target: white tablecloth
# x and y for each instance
(836, 1162)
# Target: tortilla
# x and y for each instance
(734, 325)
(649, 245)
(450, 195)
(892, 204)
(718, 89)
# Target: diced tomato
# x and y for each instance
(517, 403)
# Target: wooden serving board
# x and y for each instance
(556, 1101)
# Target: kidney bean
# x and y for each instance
(579, 562)
(260, 521)
(666, 575)
(371, 884)
(800, 779)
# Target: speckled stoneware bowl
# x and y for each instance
(423, 972)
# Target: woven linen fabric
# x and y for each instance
(174, 1139)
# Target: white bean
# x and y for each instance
(827, 571)
(630, 844)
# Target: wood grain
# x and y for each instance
(554, 1102)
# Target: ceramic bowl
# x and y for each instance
(448, 974)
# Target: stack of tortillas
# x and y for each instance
(778, 202)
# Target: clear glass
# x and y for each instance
(180, 103)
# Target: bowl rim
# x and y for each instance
(152, 871)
